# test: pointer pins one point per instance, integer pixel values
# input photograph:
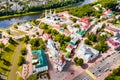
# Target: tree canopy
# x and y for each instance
(91, 37)
(21, 61)
(115, 75)
(78, 61)
(101, 46)
(37, 44)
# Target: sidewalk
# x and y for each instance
(73, 72)
(27, 72)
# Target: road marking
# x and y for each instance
(91, 74)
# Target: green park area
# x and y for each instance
(9, 58)
(6, 58)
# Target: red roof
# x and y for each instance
(111, 29)
(40, 31)
(107, 12)
(65, 13)
(70, 46)
(46, 36)
(67, 32)
(84, 27)
(72, 54)
(113, 43)
(57, 27)
(63, 58)
(85, 20)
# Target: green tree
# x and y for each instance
(88, 42)
(115, 75)
(91, 37)
(76, 26)
(37, 44)
(1, 46)
(73, 19)
(43, 26)
(101, 46)
(24, 51)
(21, 61)
(26, 39)
(8, 31)
(103, 25)
(15, 26)
(11, 40)
(102, 38)
(37, 33)
(78, 61)
(32, 77)
(64, 26)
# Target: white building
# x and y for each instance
(25, 27)
(74, 40)
(52, 48)
(87, 53)
(72, 29)
(59, 63)
(39, 61)
(52, 16)
(94, 29)
(58, 60)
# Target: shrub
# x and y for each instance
(78, 61)
(88, 42)
(21, 61)
(24, 51)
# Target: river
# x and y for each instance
(8, 22)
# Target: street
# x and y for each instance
(104, 64)
(83, 76)
(100, 68)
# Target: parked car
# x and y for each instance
(106, 69)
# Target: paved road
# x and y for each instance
(99, 68)
(104, 64)
(83, 76)
(12, 74)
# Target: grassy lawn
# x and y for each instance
(8, 64)
(1, 29)
(7, 55)
(18, 32)
(117, 25)
(20, 67)
(20, 70)
(15, 58)
(21, 32)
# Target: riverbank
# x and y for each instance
(36, 12)
(7, 21)
(18, 15)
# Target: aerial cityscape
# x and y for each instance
(59, 39)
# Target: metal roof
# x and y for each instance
(41, 57)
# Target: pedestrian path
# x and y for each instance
(91, 74)
(12, 74)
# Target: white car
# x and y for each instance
(106, 69)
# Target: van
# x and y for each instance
(106, 69)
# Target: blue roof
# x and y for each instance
(81, 32)
(41, 57)
(62, 30)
